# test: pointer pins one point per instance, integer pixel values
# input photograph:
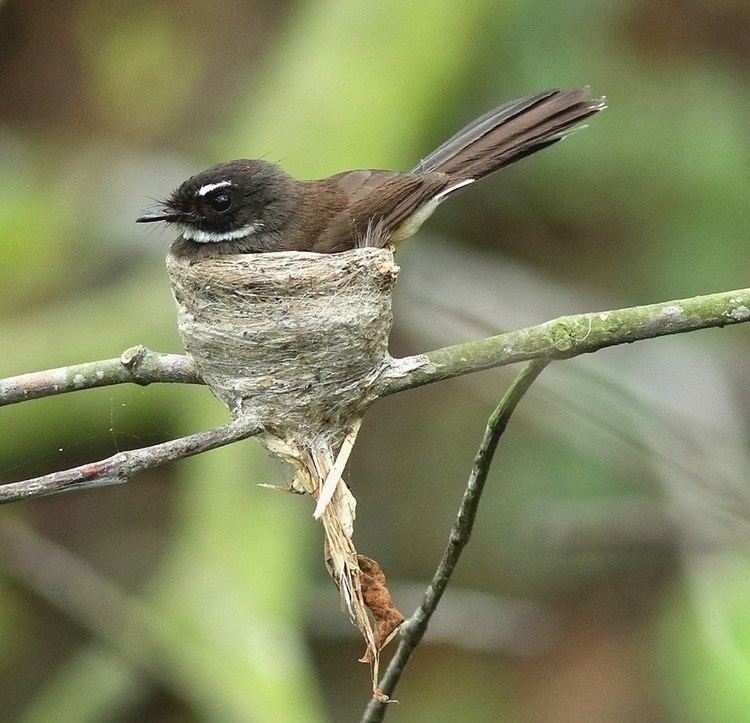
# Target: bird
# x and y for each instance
(252, 206)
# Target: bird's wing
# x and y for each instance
(378, 203)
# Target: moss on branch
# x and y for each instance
(569, 336)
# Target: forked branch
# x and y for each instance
(561, 338)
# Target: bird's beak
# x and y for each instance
(160, 212)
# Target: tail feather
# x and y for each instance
(511, 132)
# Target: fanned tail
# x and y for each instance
(511, 132)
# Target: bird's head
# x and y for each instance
(231, 201)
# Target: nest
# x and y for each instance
(297, 341)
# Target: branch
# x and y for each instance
(124, 465)
(137, 365)
(569, 336)
(561, 338)
(414, 628)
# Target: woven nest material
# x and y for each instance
(297, 341)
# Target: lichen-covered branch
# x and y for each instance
(414, 628)
(124, 465)
(561, 338)
(137, 365)
(569, 336)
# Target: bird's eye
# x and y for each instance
(220, 202)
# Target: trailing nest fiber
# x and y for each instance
(297, 342)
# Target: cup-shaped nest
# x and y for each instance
(295, 339)
(298, 341)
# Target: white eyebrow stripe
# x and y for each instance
(203, 190)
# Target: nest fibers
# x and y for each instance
(298, 341)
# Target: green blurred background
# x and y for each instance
(608, 578)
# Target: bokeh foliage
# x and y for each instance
(615, 510)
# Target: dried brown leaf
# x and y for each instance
(380, 604)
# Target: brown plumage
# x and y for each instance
(269, 211)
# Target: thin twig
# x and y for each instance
(569, 336)
(124, 465)
(414, 628)
(137, 365)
